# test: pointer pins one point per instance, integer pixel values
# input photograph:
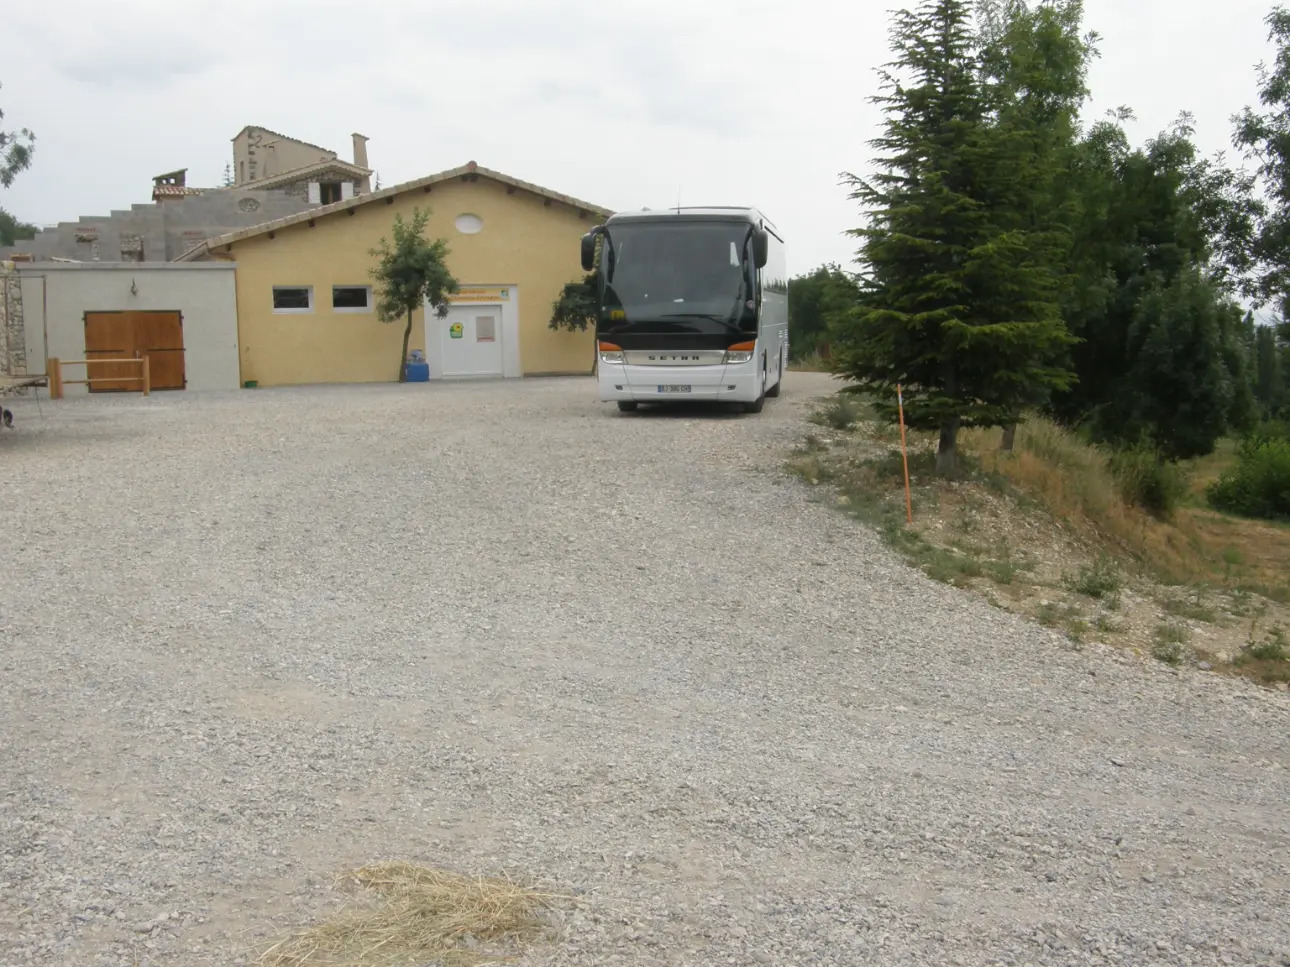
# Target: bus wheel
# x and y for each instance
(779, 383)
(756, 405)
(627, 406)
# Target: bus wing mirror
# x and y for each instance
(761, 248)
(589, 251)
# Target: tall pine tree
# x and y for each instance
(960, 300)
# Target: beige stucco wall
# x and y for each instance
(271, 156)
(524, 243)
(56, 297)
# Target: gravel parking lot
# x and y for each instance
(249, 640)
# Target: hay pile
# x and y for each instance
(422, 916)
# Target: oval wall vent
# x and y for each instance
(469, 224)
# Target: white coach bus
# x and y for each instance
(693, 306)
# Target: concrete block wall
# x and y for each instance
(160, 231)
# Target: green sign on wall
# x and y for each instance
(455, 330)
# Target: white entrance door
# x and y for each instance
(471, 338)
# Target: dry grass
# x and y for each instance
(813, 363)
(1074, 482)
(420, 915)
(1046, 531)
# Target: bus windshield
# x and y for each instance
(679, 270)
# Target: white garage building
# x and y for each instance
(182, 316)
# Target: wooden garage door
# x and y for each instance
(129, 335)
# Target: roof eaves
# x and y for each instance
(295, 174)
(471, 168)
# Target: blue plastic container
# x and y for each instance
(418, 372)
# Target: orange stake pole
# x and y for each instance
(904, 454)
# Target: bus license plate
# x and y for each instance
(673, 388)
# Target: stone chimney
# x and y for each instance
(360, 159)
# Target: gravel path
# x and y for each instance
(248, 640)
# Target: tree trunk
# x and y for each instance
(947, 454)
(1009, 437)
(403, 360)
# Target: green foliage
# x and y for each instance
(1267, 431)
(1267, 658)
(815, 300)
(16, 149)
(1158, 232)
(959, 298)
(411, 273)
(575, 309)
(1265, 138)
(842, 412)
(1180, 388)
(1191, 608)
(1272, 648)
(1259, 484)
(1147, 480)
(12, 230)
(1168, 646)
(1271, 388)
(1101, 580)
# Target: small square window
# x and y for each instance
(351, 298)
(485, 329)
(293, 298)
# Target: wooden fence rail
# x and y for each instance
(54, 372)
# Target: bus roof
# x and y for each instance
(709, 213)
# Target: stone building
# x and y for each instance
(284, 176)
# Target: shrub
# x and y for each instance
(1169, 644)
(1102, 580)
(841, 412)
(1268, 430)
(1272, 648)
(1259, 485)
(1147, 481)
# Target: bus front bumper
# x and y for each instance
(676, 384)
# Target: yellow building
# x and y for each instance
(305, 299)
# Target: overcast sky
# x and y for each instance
(626, 104)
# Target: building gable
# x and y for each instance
(502, 238)
(468, 173)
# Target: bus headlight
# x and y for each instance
(740, 352)
(610, 353)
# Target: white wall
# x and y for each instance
(510, 333)
(205, 294)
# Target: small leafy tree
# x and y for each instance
(575, 309)
(16, 148)
(410, 274)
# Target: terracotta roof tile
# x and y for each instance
(468, 170)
